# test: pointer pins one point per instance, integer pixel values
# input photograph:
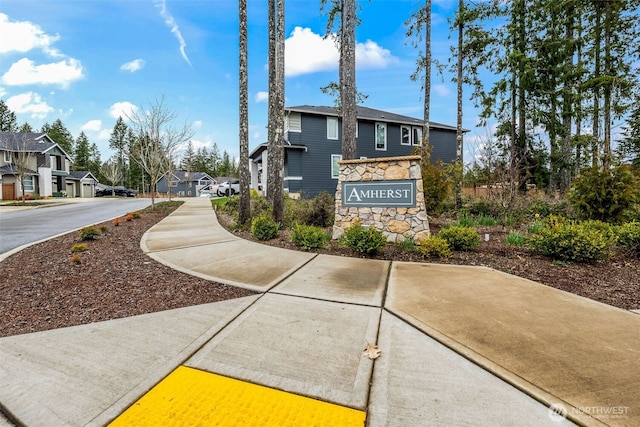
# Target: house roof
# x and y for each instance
(184, 176)
(262, 147)
(13, 170)
(366, 113)
(35, 142)
(81, 175)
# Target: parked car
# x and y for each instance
(223, 189)
(118, 190)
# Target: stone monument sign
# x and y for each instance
(385, 193)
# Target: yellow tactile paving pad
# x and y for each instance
(190, 397)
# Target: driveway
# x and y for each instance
(19, 226)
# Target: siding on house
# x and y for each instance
(307, 127)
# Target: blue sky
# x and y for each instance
(88, 61)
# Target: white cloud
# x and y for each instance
(23, 36)
(122, 109)
(26, 72)
(307, 52)
(370, 55)
(29, 103)
(3, 92)
(133, 66)
(197, 124)
(171, 23)
(262, 96)
(441, 90)
(92, 125)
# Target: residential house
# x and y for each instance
(81, 184)
(313, 145)
(183, 183)
(45, 165)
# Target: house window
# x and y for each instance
(417, 136)
(28, 184)
(405, 135)
(332, 128)
(293, 122)
(173, 183)
(381, 136)
(7, 157)
(335, 167)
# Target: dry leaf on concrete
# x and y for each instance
(372, 351)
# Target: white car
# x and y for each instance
(223, 189)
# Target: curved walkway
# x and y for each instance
(459, 345)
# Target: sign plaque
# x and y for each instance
(400, 193)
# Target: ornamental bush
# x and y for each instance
(89, 233)
(460, 238)
(309, 237)
(263, 227)
(565, 240)
(434, 246)
(628, 236)
(605, 195)
(366, 240)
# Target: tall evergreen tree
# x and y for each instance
(60, 134)
(119, 142)
(8, 120)
(82, 153)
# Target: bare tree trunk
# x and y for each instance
(459, 94)
(245, 205)
(278, 164)
(271, 127)
(426, 137)
(596, 89)
(348, 79)
(568, 100)
(606, 155)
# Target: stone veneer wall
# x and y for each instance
(396, 223)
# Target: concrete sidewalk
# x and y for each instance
(460, 345)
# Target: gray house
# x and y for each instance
(313, 145)
(183, 183)
(45, 165)
(81, 184)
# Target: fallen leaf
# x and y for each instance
(372, 351)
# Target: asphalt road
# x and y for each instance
(26, 226)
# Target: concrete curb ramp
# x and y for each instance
(512, 347)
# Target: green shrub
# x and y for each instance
(309, 237)
(321, 210)
(564, 240)
(79, 247)
(460, 238)
(295, 211)
(407, 244)
(366, 240)
(104, 229)
(434, 246)
(515, 239)
(89, 233)
(628, 236)
(605, 195)
(264, 227)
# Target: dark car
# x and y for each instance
(118, 190)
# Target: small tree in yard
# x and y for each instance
(157, 141)
(113, 173)
(23, 159)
